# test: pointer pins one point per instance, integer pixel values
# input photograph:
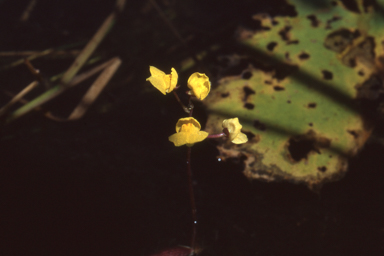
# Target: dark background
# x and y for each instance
(112, 184)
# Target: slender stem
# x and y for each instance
(215, 136)
(190, 105)
(193, 203)
(181, 103)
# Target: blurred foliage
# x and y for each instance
(302, 105)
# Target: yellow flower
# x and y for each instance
(234, 128)
(164, 83)
(200, 85)
(187, 132)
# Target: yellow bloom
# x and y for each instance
(234, 128)
(200, 85)
(164, 83)
(187, 132)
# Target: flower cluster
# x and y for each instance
(188, 129)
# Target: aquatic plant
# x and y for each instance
(188, 129)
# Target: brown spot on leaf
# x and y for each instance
(278, 88)
(293, 42)
(312, 105)
(303, 56)
(225, 95)
(322, 168)
(339, 40)
(249, 106)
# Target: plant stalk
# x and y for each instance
(193, 202)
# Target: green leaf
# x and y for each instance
(299, 107)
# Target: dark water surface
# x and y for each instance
(112, 184)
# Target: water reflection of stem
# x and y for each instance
(193, 203)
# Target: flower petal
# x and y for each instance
(157, 79)
(174, 78)
(234, 129)
(187, 120)
(187, 132)
(182, 138)
(200, 85)
(164, 83)
(240, 138)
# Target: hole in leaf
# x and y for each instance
(225, 95)
(322, 168)
(249, 106)
(304, 56)
(247, 75)
(310, 124)
(299, 149)
(300, 146)
(314, 21)
(247, 92)
(259, 125)
(312, 105)
(267, 82)
(327, 75)
(284, 33)
(271, 46)
(351, 5)
(288, 101)
(278, 88)
(361, 73)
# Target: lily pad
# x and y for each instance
(300, 111)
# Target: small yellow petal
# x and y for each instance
(187, 120)
(174, 78)
(200, 85)
(182, 138)
(240, 138)
(164, 83)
